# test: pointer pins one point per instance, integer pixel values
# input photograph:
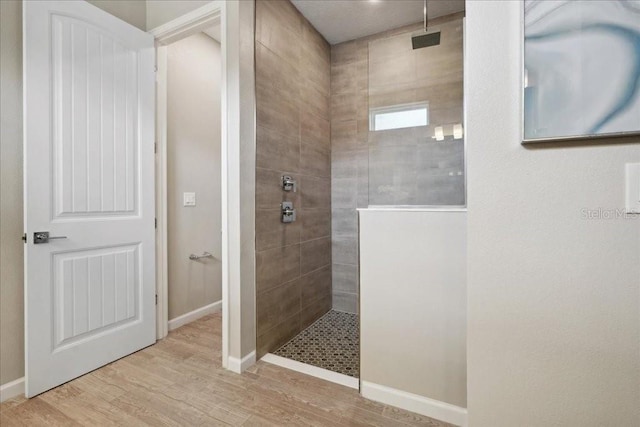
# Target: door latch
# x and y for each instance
(43, 237)
(288, 213)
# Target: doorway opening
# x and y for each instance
(193, 190)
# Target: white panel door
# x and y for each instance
(89, 183)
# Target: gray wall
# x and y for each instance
(554, 299)
(11, 225)
(407, 161)
(194, 74)
(293, 261)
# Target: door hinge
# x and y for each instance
(156, 299)
(156, 223)
(24, 238)
(155, 148)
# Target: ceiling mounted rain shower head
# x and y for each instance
(427, 39)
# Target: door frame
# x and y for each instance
(238, 272)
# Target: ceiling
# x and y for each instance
(342, 20)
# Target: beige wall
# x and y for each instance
(293, 271)
(193, 165)
(133, 11)
(554, 299)
(162, 11)
(11, 247)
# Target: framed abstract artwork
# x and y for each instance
(581, 69)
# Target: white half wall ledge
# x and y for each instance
(12, 389)
(240, 365)
(195, 315)
(412, 402)
(314, 371)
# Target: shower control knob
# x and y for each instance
(289, 184)
(288, 213)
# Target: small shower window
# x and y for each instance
(399, 116)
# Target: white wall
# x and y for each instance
(194, 71)
(554, 299)
(413, 304)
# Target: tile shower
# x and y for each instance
(314, 104)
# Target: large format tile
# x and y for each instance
(277, 151)
(316, 284)
(344, 52)
(344, 134)
(440, 190)
(344, 107)
(345, 278)
(314, 100)
(315, 159)
(279, 27)
(315, 192)
(315, 309)
(344, 192)
(279, 13)
(272, 70)
(314, 129)
(276, 111)
(275, 337)
(271, 232)
(345, 249)
(276, 305)
(345, 302)
(400, 69)
(315, 60)
(344, 221)
(314, 223)
(315, 254)
(269, 192)
(277, 266)
(344, 78)
(344, 164)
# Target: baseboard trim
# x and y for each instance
(314, 371)
(415, 403)
(240, 365)
(11, 389)
(195, 315)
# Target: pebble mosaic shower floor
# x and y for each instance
(332, 343)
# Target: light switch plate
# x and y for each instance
(633, 188)
(189, 199)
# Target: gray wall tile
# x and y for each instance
(345, 249)
(345, 302)
(345, 278)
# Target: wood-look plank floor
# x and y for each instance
(180, 382)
